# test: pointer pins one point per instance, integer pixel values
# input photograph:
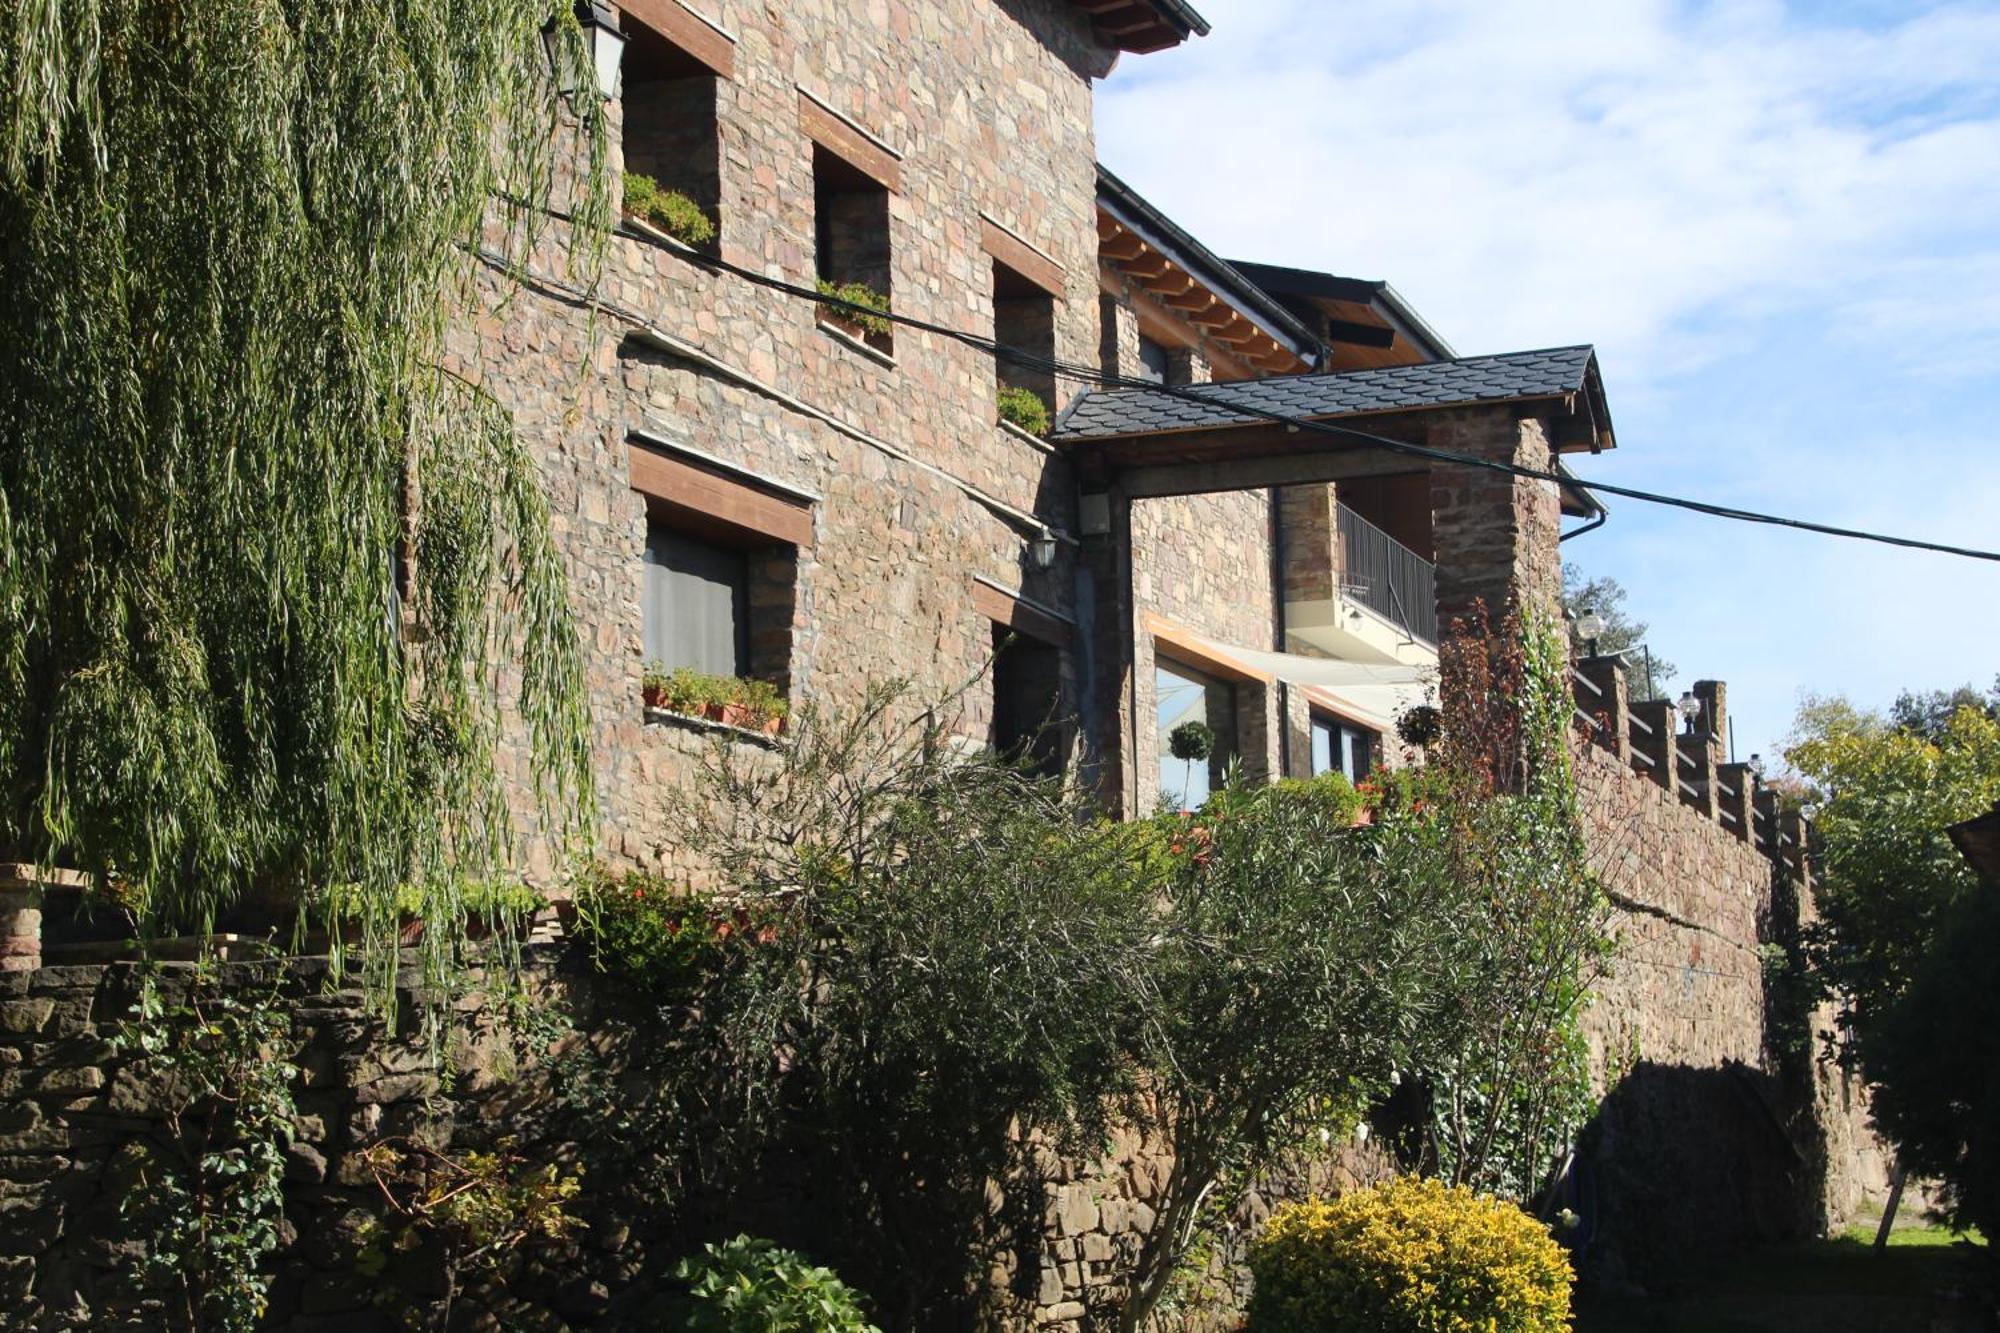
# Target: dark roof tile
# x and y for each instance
(1109, 413)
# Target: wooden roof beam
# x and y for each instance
(1121, 248)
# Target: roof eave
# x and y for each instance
(1162, 233)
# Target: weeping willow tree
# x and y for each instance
(264, 563)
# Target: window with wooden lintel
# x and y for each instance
(720, 569)
(672, 65)
(1185, 697)
(1027, 285)
(1029, 724)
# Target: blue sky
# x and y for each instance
(1780, 225)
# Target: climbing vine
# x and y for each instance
(208, 1198)
(265, 562)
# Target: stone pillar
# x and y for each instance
(1742, 806)
(1606, 700)
(1495, 533)
(1714, 719)
(1118, 339)
(1702, 776)
(1187, 365)
(1104, 649)
(1766, 805)
(1659, 744)
(1793, 825)
(1311, 556)
(22, 887)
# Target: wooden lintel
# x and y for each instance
(1021, 257)
(686, 31)
(1181, 644)
(849, 142)
(1004, 609)
(1305, 465)
(711, 497)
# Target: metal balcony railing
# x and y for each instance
(1386, 576)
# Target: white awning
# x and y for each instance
(1370, 692)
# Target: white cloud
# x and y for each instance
(1780, 226)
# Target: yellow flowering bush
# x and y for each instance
(1411, 1256)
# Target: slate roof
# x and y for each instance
(1109, 413)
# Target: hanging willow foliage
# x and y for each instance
(263, 564)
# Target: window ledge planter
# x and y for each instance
(647, 231)
(851, 336)
(666, 717)
(1027, 437)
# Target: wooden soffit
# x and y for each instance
(687, 31)
(850, 143)
(1178, 292)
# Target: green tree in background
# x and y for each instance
(1888, 871)
(264, 563)
(1606, 596)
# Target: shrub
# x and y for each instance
(874, 305)
(752, 1286)
(1024, 408)
(1411, 1256)
(671, 211)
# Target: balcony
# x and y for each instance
(1387, 577)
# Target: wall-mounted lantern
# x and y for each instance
(1042, 549)
(599, 22)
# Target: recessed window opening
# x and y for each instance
(1183, 695)
(1024, 318)
(1153, 360)
(670, 125)
(717, 601)
(1027, 702)
(1341, 747)
(851, 238)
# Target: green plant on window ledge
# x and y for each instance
(1024, 408)
(671, 211)
(856, 294)
(737, 701)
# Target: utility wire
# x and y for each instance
(1217, 397)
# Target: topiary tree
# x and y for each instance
(264, 561)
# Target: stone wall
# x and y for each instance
(1709, 1139)
(984, 105)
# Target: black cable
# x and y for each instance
(1214, 400)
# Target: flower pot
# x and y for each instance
(654, 695)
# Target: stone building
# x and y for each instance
(747, 482)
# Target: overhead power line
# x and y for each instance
(1218, 397)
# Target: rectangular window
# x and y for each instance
(851, 236)
(668, 94)
(1153, 360)
(1338, 747)
(697, 604)
(1183, 696)
(1024, 318)
(1027, 701)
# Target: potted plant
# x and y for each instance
(1024, 408)
(669, 210)
(869, 321)
(1420, 725)
(653, 685)
(1189, 742)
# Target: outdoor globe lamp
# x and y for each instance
(599, 22)
(1690, 709)
(1589, 626)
